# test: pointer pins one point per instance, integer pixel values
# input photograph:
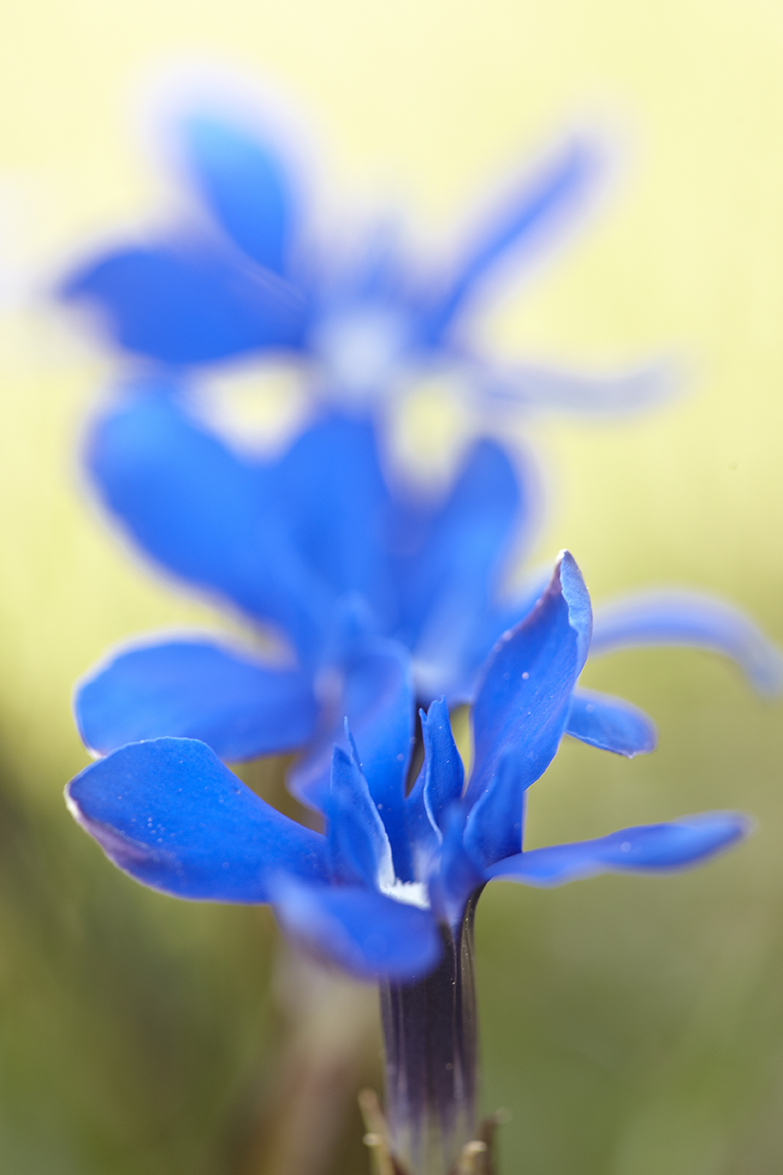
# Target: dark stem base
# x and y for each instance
(430, 1034)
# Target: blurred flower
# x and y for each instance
(371, 893)
(248, 282)
(351, 574)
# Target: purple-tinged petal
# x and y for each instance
(689, 618)
(238, 706)
(171, 815)
(650, 848)
(611, 724)
(206, 514)
(244, 185)
(182, 304)
(359, 849)
(371, 687)
(545, 200)
(361, 930)
(523, 699)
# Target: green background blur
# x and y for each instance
(632, 1026)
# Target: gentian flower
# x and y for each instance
(388, 891)
(248, 280)
(354, 576)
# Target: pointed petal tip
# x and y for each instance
(577, 597)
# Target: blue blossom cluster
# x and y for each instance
(383, 602)
(370, 893)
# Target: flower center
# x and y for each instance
(361, 350)
(411, 893)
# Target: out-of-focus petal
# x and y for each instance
(183, 305)
(205, 513)
(554, 193)
(564, 391)
(649, 848)
(522, 708)
(195, 689)
(689, 618)
(488, 627)
(372, 688)
(332, 491)
(366, 933)
(171, 815)
(244, 185)
(611, 724)
(359, 848)
(449, 561)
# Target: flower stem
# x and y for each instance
(430, 1033)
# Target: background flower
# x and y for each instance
(366, 325)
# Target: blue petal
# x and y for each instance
(372, 936)
(206, 514)
(359, 848)
(424, 836)
(688, 618)
(458, 878)
(182, 304)
(449, 562)
(488, 628)
(439, 785)
(444, 774)
(332, 490)
(372, 689)
(556, 192)
(172, 816)
(649, 848)
(522, 708)
(496, 823)
(523, 700)
(195, 689)
(245, 186)
(610, 724)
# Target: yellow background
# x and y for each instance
(633, 1027)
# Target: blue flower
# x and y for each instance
(371, 893)
(248, 282)
(355, 577)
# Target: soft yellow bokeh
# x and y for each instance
(426, 105)
(436, 103)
